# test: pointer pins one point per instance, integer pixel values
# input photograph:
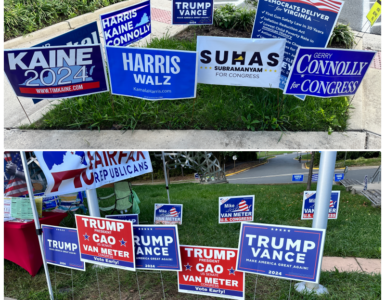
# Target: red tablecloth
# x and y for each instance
(21, 244)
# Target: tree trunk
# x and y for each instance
(310, 171)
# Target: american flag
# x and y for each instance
(326, 5)
(13, 186)
(243, 206)
(173, 212)
(331, 204)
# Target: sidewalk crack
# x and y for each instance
(359, 264)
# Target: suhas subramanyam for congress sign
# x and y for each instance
(56, 72)
(286, 252)
(328, 72)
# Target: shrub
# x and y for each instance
(342, 35)
(228, 16)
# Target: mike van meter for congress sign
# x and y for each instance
(308, 204)
(304, 23)
(285, 252)
(168, 214)
(157, 247)
(240, 61)
(328, 72)
(127, 25)
(56, 72)
(134, 218)
(61, 247)
(297, 178)
(106, 242)
(236, 209)
(192, 12)
(211, 271)
(152, 74)
(75, 171)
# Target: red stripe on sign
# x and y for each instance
(61, 89)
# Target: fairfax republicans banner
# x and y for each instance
(61, 247)
(127, 25)
(240, 61)
(152, 74)
(210, 271)
(192, 12)
(76, 171)
(286, 252)
(56, 72)
(236, 209)
(134, 218)
(157, 247)
(106, 242)
(168, 214)
(306, 23)
(308, 205)
(328, 72)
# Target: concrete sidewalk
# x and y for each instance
(351, 264)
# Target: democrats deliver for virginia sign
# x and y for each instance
(328, 72)
(152, 74)
(239, 61)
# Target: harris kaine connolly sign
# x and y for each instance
(328, 72)
(56, 72)
(240, 61)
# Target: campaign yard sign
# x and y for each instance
(192, 12)
(210, 271)
(328, 72)
(339, 177)
(127, 25)
(152, 74)
(297, 178)
(61, 247)
(168, 214)
(240, 61)
(106, 242)
(75, 171)
(157, 247)
(56, 72)
(134, 218)
(303, 23)
(308, 205)
(286, 252)
(314, 177)
(236, 209)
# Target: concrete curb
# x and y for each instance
(243, 170)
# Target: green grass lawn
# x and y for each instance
(215, 108)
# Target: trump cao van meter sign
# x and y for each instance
(168, 214)
(236, 209)
(106, 242)
(285, 252)
(308, 204)
(210, 271)
(56, 72)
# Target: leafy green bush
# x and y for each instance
(230, 17)
(342, 35)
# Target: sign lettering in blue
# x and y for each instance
(152, 74)
(308, 205)
(339, 177)
(192, 12)
(328, 72)
(298, 178)
(314, 177)
(236, 209)
(61, 247)
(168, 214)
(286, 252)
(134, 218)
(56, 72)
(127, 25)
(301, 23)
(157, 247)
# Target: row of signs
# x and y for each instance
(314, 177)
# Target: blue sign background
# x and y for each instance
(265, 263)
(307, 76)
(339, 177)
(163, 213)
(236, 209)
(189, 15)
(87, 77)
(314, 177)
(127, 25)
(297, 178)
(150, 82)
(145, 253)
(134, 218)
(58, 254)
(309, 204)
(273, 20)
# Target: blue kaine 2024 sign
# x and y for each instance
(61, 247)
(314, 177)
(236, 209)
(127, 25)
(328, 72)
(157, 247)
(152, 74)
(192, 12)
(285, 252)
(56, 72)
(303, 23)
(308, 205)
(339, 177)
(134, 218)
(297, 178)
(168, 214)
